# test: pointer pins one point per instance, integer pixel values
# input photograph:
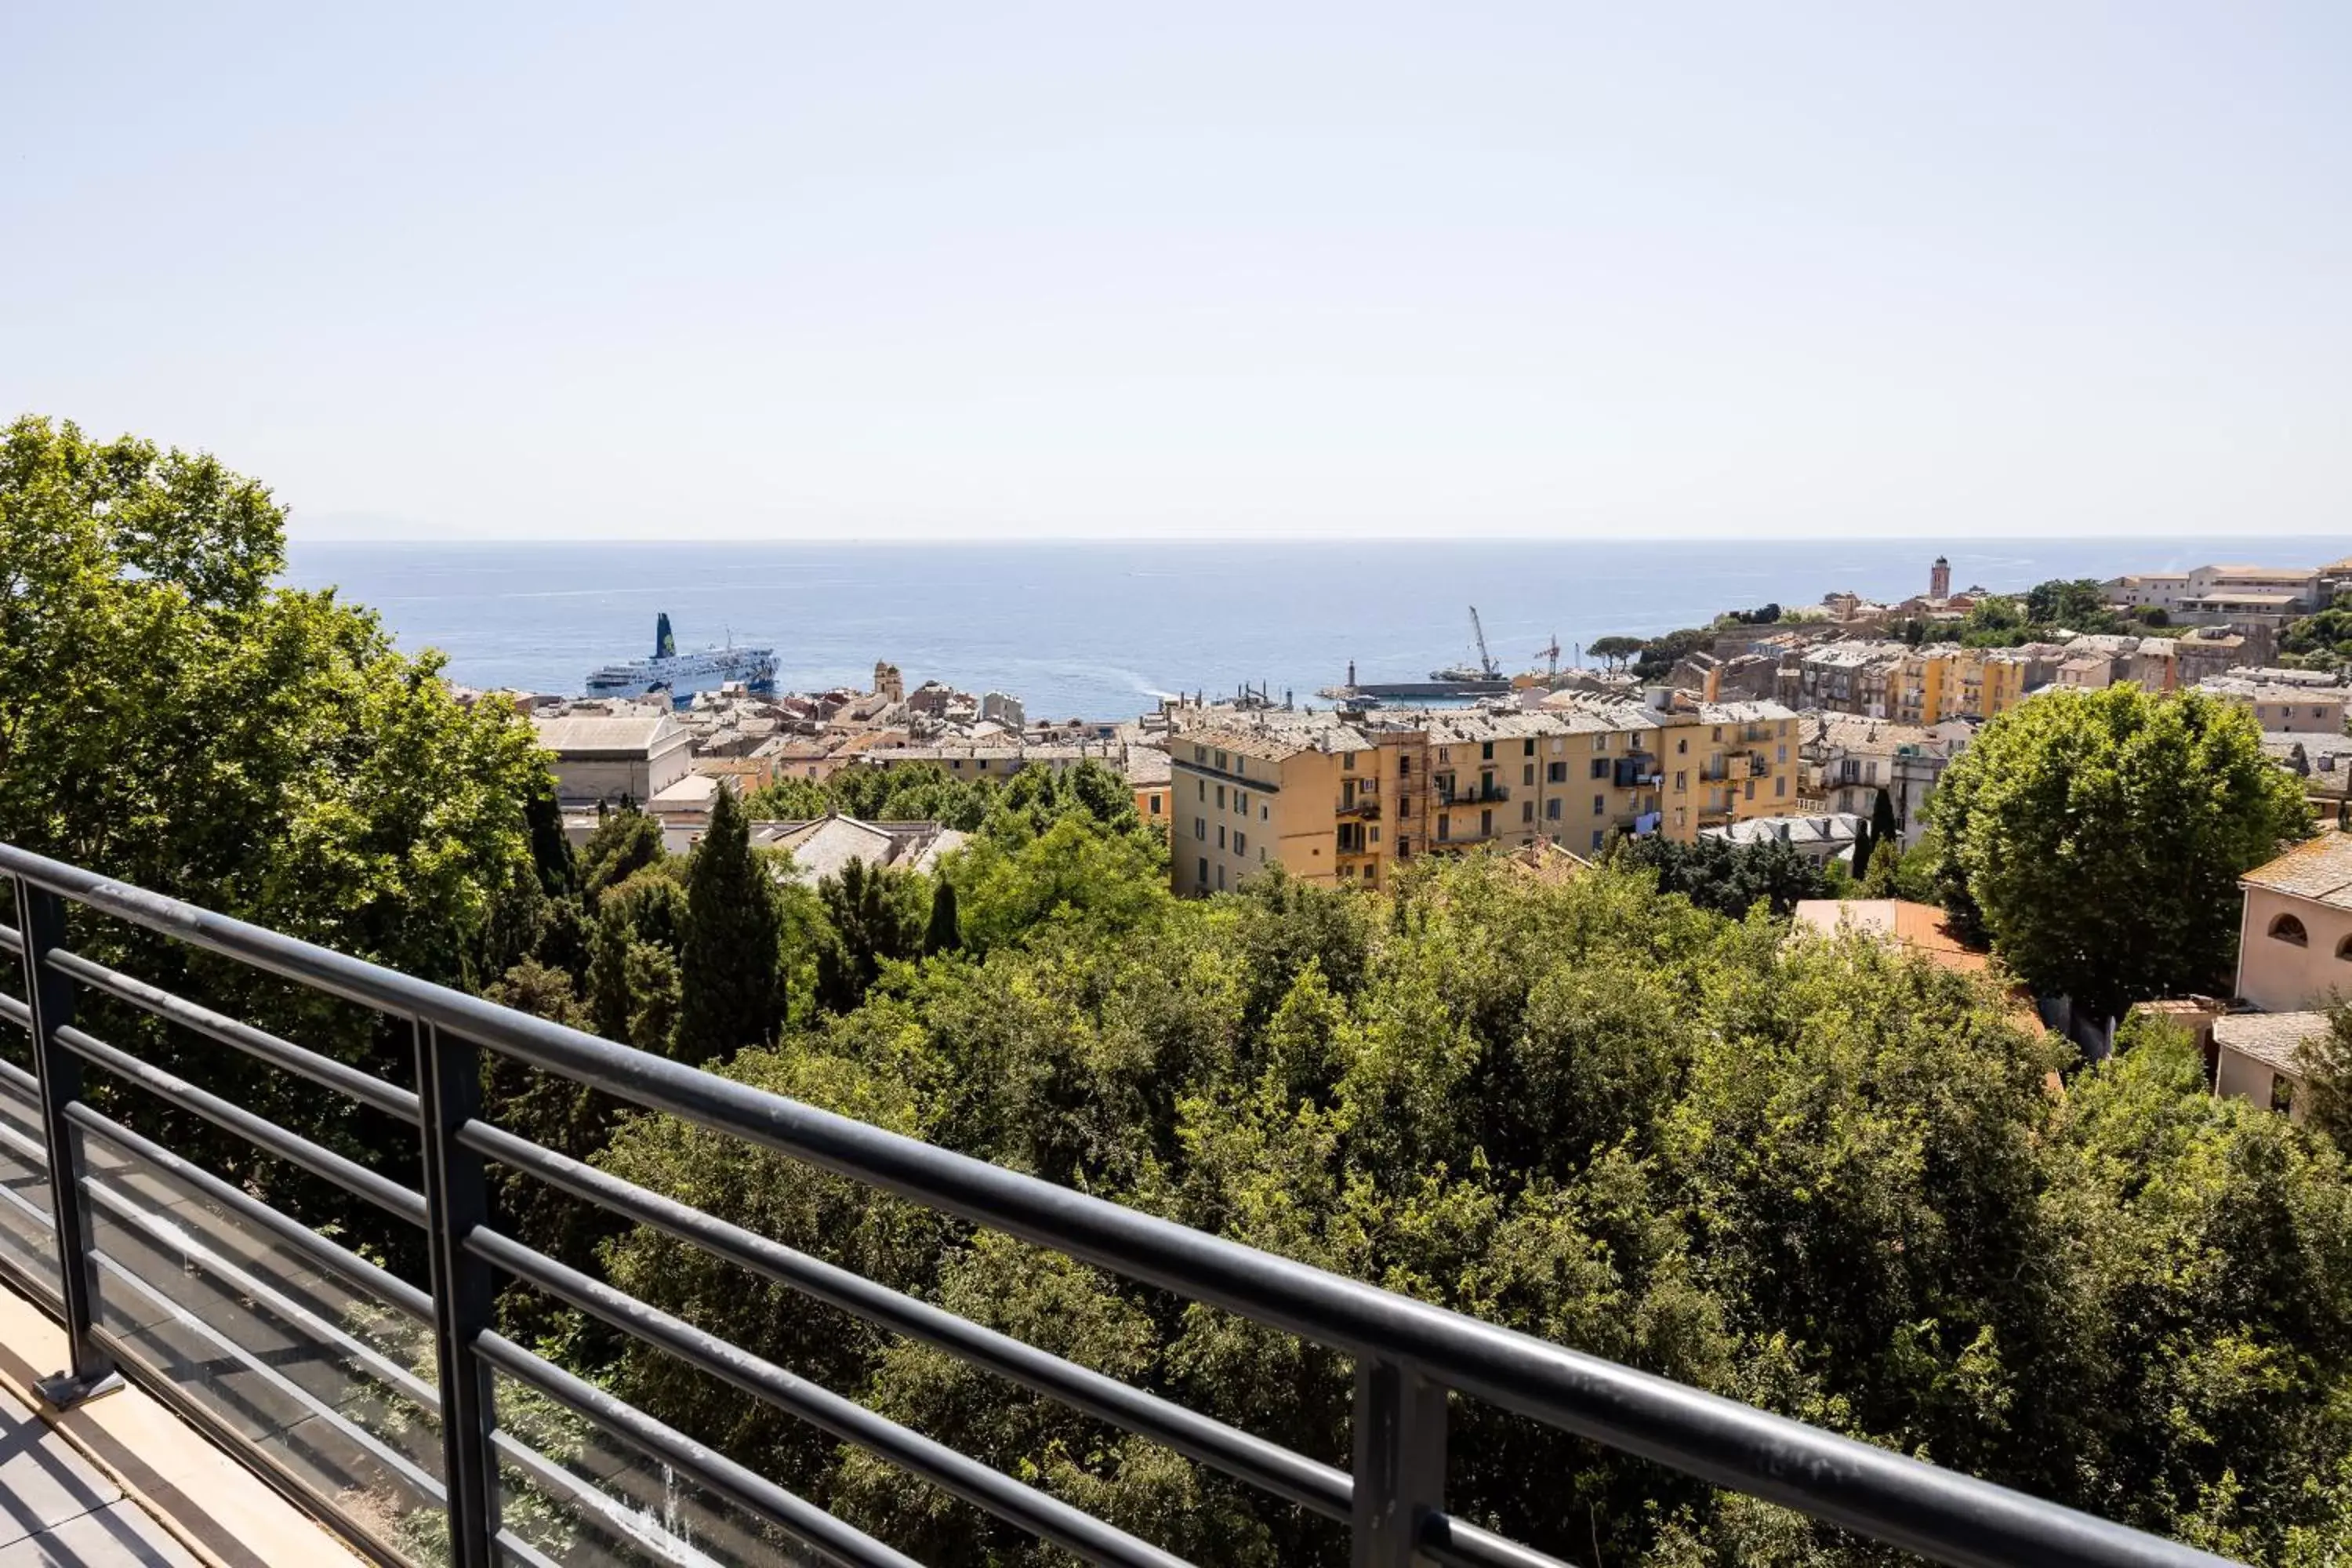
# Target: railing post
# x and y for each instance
(1400, 1471)
(41, 923)
(457, 1199)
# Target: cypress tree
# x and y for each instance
(733, 984)
(944, 934)
(1883, 827)
(1862, 849)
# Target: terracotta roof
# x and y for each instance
(2273, 1039)
(2319, 870)
(1923, 928)
(583, 733)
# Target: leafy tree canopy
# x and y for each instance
(2097, 837)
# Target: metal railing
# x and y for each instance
(1409, 1356)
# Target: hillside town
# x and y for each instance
(1787, 728)
(1793, 727)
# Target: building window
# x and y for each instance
(1155, 806)
(1682, 780)
(1551, 809)
(1600, 742)
(1221, 878)
(1782, 754)
(1529, 749)
(1204, 870)
(1444, 828)
(1556, 773)
(1526, 810)
(2343, 948)
(1201, 827)
(1596, 838)
(1201, 785)
(1264, 812)
(2289, 929)
(1221, 797)
(1485, 823)
(1599, 805)
(2282, 1093)
(1486, 751)
(1241, 842)
(1528, 773)
(1683, 745)
(1346, 762)
(1780, 787)
(1600, 767)
(1220, 761)
(1241, 802)
(1751, 789)
(1404, 766)
(1374, 837)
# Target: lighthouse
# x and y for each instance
(1940, 579)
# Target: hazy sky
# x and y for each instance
(873, 271)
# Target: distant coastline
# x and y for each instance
(1098, 630)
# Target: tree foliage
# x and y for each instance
(2097, 837)
(1730, 879)
(730, 965)
(1817, 1176)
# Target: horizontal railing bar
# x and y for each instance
(612, 1513)
(20, 1080)
(10, 939)
(1292, 1476)
(1451, 1544)
(1022, 1506)
(258, 1131)
(167, 1237)
(388, 1098)
(812, 1526)
(513, 1546)
(339, 1260)
(15, 1012)
(1917, 1507)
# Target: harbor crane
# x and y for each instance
(1550, 656)
(1485, 661)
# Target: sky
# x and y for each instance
(885, 271)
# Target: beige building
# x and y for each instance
(1341, 801)
(1243, 799)
(2295, 935)
(2281, 709)
(611, 757)
(2258, 1056)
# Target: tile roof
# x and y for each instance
(2318, 868)
(2274, 1039)
(603, 732)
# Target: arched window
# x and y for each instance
(2287, 928)
(2343, 948)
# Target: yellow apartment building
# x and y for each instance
(1244, 798)
(1722, 762)
(1343, 803)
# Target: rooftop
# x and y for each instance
(2274, 1039)
(2318, 868)
(577, 734)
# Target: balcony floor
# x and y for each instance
(121, 1480)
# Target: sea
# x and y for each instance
(1103, 631)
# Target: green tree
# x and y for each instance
(169, 717)
(2097, 837)
(874, 916)
(943, 933)
(625, 841)
(2079, 604)
(1865, 846)
(731, 988)
(1614, 650)
(2326, 1064)
(1882, 827)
